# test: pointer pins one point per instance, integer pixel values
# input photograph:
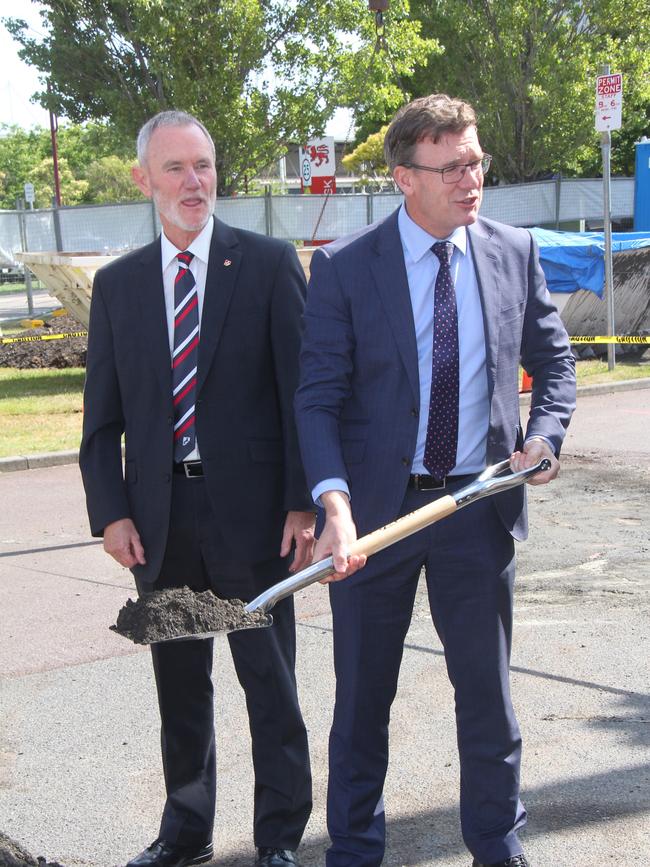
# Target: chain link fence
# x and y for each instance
(304, 218)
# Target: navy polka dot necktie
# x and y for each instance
(184, 357)
(442, 429)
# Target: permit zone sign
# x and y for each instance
(609, 101)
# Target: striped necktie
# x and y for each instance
(442, 429)
(184, 358)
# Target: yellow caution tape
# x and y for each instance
(617, 339)
(620, 339)
(42, 337)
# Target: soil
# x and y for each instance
(59, 353)
(167, 614)
(13, 855)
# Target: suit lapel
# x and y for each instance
(487, 262)
(223, 268)
(152, 325)
(392, 285)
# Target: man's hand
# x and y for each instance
(122, 542)
(299, 530)
(535, 449)
(339, 531)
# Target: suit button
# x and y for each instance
(406, 462)
(414, 412)
(167, 477)
(170, 419)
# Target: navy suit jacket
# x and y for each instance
(358, 401)
(247, 376)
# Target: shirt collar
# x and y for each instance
(200, 246)
(417, 241)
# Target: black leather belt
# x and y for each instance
(189, 469)
(420, 482)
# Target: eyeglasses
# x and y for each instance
(453, 174)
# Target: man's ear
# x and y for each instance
(141, 180)
(402, 177)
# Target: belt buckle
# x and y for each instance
(424, 485)
(189, 467)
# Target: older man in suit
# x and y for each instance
(192, 354)
(409, 386)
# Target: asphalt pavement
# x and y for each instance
(80, 774)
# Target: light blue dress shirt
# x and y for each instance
(421, 270)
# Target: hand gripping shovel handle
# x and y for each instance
(493, 480)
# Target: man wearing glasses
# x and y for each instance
(414, 332)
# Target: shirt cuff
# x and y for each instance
(548, 442)
(329, 485)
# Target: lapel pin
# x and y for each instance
(227, 262)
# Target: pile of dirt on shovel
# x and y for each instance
(60, 352)
(13, 855)
(177, 612)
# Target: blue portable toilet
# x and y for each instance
(642, 186)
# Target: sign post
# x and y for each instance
(609, 106)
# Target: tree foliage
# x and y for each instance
(530, 66)
(259, 73)
(367, 160)
(26, 155)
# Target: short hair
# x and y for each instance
(167, 118)
(429, 117)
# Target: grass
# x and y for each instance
(41, 410)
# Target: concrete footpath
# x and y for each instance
(80, 775)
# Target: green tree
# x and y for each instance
(367, 160)
(73, 190)
(259, 73)
(530, 66)
(22, 151)
(109, 180)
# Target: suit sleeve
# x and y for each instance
(286, 313)
(100, 454)
(546, 356)
(325, 373)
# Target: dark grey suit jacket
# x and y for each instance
(247, 375)
(359, 398)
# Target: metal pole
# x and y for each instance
(54, 127)
(20, 205)
(606, 148)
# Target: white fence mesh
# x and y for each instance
(114, 228)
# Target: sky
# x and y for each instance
(18, 81)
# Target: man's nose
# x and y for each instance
(472, 178)
(192, 179)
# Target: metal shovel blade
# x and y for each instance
(492, 480)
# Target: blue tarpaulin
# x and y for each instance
(576, 260)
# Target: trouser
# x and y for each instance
(264, 660)
(469, 564)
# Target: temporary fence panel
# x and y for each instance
(108, 228)
(101, 228)
(244, 212)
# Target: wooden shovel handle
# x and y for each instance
(403, 527)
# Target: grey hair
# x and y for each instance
(167, 118)
(429, 117)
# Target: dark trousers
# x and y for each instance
(469, 563)
(264, 660)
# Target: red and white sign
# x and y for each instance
(609, 101)
(317, 166)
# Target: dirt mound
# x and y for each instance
(13, 855)
(174, 613)
(59, 353)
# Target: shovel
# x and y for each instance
(492, 480)
(254, 615)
